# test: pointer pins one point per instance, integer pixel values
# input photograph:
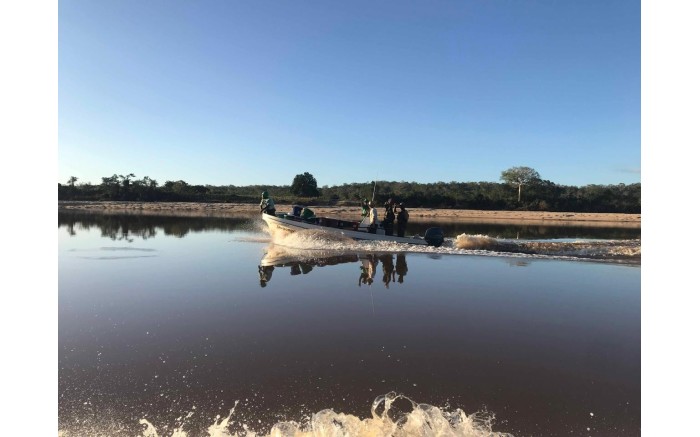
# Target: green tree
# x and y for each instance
(144, 189)
(110, 187)
(177, 186)
(305, 185)
(72, 180)
(519, 176)
(126, 180)
(126, 186)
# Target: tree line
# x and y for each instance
(521, 189)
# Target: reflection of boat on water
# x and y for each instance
(294, 222)
(298, 262)
(279, 257)
(394, 267)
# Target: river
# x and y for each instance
(189, 326)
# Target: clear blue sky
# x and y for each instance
(255, 92)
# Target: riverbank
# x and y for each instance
(349, 212)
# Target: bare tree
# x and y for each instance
(519, 176)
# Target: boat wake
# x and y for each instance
(313, 239)
(601, 250)
(619, 251)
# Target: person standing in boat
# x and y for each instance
(373, 219)
(401, 220)
(389, 217)
(267, 205)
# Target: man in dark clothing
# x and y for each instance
(389, 218)
(401, 221)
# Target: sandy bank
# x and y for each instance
(348, 212)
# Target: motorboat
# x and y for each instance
(295, 221)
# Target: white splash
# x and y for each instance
(475, 242)
(408, 419)
(421, 420)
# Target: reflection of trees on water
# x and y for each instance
(128, 226)
(369, 266)
(70, 228)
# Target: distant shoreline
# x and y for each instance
(475, 216)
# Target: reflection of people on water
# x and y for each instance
(368, 270)
(265, 274)
(299, 268)
(401, 266)
(387, 268)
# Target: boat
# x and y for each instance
(357, 230)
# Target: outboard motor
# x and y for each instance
(434, 237)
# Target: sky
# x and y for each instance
(244, 93)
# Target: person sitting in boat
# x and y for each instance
(308, 214)
(389, 217)
(365, 207)
(401, 220)
(373, 219)
(267, 205)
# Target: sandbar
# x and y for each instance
(353, 213)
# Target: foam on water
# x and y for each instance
(464, 241)
(312, 239)
(598, 250)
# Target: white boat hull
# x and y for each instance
(276, 223)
